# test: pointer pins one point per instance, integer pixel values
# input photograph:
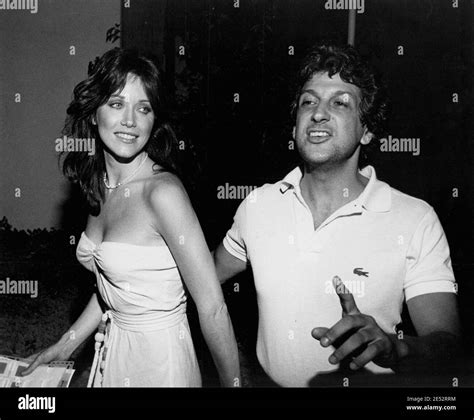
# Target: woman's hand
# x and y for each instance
(56, 352)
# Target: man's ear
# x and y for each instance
(294, 133)
(366, 137)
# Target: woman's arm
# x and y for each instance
(85, 325)
(178, 224)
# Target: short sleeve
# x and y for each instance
(234, 241)
(429, 268)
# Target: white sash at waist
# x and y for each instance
(150, 321)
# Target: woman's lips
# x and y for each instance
(126, 137)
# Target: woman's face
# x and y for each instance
(126, 120)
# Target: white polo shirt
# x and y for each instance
(386, 246)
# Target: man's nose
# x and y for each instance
(321, 113)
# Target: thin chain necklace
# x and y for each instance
(112, 187)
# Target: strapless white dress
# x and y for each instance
(148, 342)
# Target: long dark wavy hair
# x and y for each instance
(346, 61)
(107, 76)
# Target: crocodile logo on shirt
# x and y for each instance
(360, 272)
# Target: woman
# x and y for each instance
(142, 238)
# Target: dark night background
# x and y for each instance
(245, 50)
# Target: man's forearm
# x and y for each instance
(227, 266)
(221, 275)
(431, 352)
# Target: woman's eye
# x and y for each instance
(115, 105)
(145, 109)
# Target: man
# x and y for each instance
(330, 237)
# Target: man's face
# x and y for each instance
(328, 127)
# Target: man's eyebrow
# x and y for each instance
(337, 92)
(344, 92)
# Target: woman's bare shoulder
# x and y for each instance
(165, 189)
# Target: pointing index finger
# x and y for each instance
(348, 304)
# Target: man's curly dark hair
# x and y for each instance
(346, 61)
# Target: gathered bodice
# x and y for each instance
(141, 285)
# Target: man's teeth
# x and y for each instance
(318, 134)
(126, 136)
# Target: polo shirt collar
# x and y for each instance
(376, 196)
